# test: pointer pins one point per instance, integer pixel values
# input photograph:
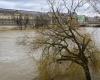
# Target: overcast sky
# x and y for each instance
(32, 5)
(35, 5)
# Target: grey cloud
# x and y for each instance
(23, 4)
(24, 1)
(34, 5)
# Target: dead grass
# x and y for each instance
(50, 70)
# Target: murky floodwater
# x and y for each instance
(15, 63)
(95, 34)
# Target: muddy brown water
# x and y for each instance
(15, 61)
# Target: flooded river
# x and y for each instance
(15, 62)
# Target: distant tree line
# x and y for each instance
(39, 21)
(21, 21)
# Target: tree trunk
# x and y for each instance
(87, 72)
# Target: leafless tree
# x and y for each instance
(26, 21)
(21, 20)
(68, 42)
(41, 20)
(18, 21)
(95, 5)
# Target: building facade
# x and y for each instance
(9, 16)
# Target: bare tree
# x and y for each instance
(18, 21)
(67, 42)
(21, 20)
(41, 20)
(26, 21)
(95, 5)
(38, 21)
